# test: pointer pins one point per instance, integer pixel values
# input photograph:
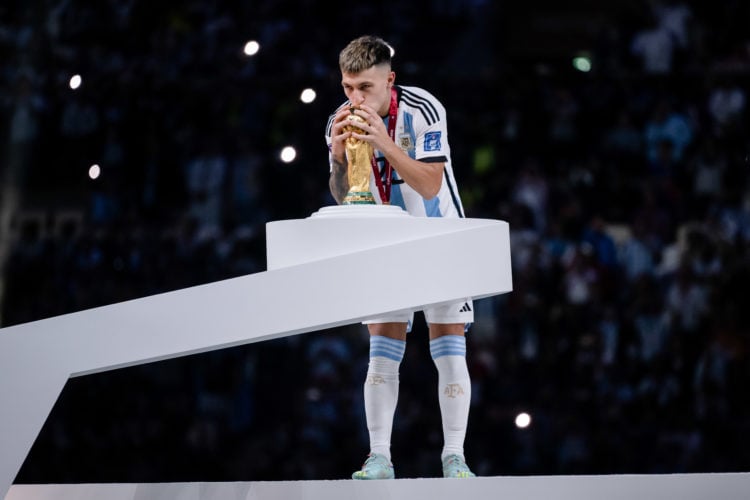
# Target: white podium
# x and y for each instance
(336, 267)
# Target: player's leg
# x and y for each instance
(448, 350)
(387, 346)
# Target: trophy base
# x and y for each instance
(359, 198)
(360, 211)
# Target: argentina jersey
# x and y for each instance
(422, 133)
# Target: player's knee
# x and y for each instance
(441, 329)
(391, 330)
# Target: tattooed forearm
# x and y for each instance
(339, 181)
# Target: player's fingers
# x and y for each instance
(340, 128)
(342, 114)
(342, 136)
(367, 117)
(367, 109)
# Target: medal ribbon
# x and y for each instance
(384, 185)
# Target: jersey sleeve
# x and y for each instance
(432, 133)
(329, 125)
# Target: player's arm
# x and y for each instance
(338, 182)
(424, 177)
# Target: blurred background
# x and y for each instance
(144, 145)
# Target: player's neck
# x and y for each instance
(385, 109)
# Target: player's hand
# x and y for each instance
(373, 128)
(339, 135)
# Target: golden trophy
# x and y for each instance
(359, 165)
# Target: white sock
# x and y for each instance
(454, 390)
(381, 391)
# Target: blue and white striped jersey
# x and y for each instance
(421, 131)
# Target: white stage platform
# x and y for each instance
(327, 278)
(613, 487)
(334, 268)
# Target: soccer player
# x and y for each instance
(406, 127)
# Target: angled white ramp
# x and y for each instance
(324, 271)
(624, 487)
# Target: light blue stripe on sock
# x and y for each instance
(385, 353)
(387, 347)
(448, 345)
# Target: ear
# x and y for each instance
(391, 79)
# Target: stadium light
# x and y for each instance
(75, 81)
(523, 420)
(94, 171)
(251, 48)
(288, 154)
(307, 96)
(582, 63)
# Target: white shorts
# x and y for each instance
(455, 312)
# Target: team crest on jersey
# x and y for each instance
(432, 141)
(404, 142)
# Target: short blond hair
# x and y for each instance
(363, 53)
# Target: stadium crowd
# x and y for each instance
(626, 337)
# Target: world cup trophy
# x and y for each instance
(359, 165)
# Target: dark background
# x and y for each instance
(626, 190)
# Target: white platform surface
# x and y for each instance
(607, 487)
(327, 278)
(330, 269)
